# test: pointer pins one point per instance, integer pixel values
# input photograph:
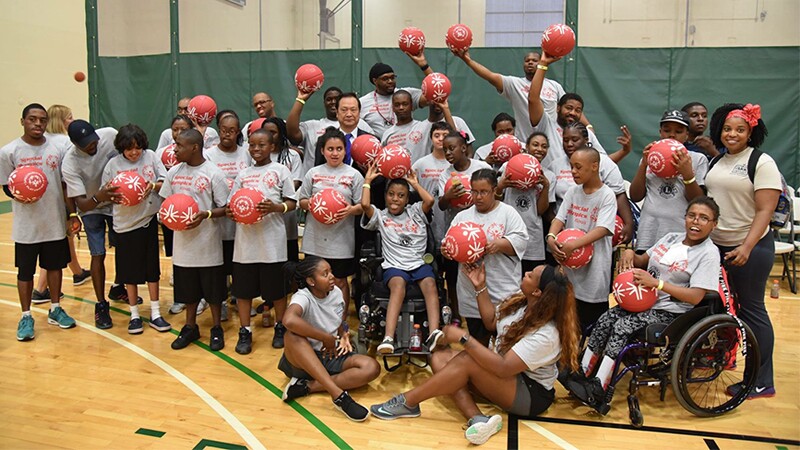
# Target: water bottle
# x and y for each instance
(776, 289)
(415, 343)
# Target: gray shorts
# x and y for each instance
(332, 365)
(531, 398)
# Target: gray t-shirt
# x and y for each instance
(335, 241)
(540, 349)
(587, 212)
(505, 270)
(609, 175)
(313, 129)
(376, 109)
(210, 138)
(665, 203)
(129, 218)
(46, 219)
(674, 262)
(295, 165)
(403, 237)
(451, 211)
(550, 127)
(83, 173)
(261, 242)
(201, 246)
(525, 203)
(230, 163)
(322, 313)
(428, 170)
(516, 89)
(419, 143)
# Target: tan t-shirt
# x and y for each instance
(727, 182)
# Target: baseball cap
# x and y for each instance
(677, 116)
(81, 133)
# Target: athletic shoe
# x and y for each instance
(588, 391)
(433, 339)
(188, 335)
(481, 428)
(253, 312)
(172, 279)
(118, 293)
(159, 324)
(81, 278)
(102, 317)
(217, 342)
(25, 329)
(40, 297)
(224, 312)
(277, 339)
(395, 408)
(267, 321)
(135, 326)
(60, 317)
(350, 408)
(387, 346)
(295, 389)
(177, 308)
(202, 306)
(245, 344)
(757, 392)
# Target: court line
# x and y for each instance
(223, 412)
(552, 437)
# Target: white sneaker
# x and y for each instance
(202, 306)
(171, 279)
(387, 346)
(253, 312)
(177, 308)
(480, 432)
(224, 312)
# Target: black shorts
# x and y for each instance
(265, 280)
(52, 255)
(531, 398)
(293, 250)
(227, 257)
(477, 330)
(450, 274)
(332, 365)
(342, 268)
(137, 254)
(195, 283)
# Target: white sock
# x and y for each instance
(588, 362)
(155, 311)
(26, 314)
(53, 306)
(134, 312)
(250, 329)
(604, 372)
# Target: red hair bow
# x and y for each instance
(750, 113)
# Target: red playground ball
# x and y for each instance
(436, 87)
(558, 40)
(411, 40)
(394, 162)
(244, 205)
(458, 37)
(79, 76)
(27, 183)
(524, 170)
(581, 256)
(177, 211)
(505, 147)
(168, 157)
(464, 200)
(631, 296)
(365, 149)
(617, 238)
(202, 109)
(659, 158)
(308, 78)
(131, 187)
(465, 242)
(326, 204)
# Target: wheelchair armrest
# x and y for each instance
(368, 250)
(654, 333)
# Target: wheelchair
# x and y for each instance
(699, 354)
(374, 303)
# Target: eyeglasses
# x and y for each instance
(388, 78)
(701, 219)
(481, 193)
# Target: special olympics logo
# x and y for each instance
(201, 183)
(270, 179)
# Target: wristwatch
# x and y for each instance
(464, 339)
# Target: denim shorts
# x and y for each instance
(95, 227)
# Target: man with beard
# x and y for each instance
(376, 106)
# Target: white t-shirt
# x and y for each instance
(83, 173)
(540, 349)
(526, 204)
(504, 270)
(46, 219)
(322, 313)
(210, 138)
(59, 140)
(516, 89)
(451, 211)
(403, 237)
(230, 163)
(555, 154)
(609, 175)
(201, 246)
(401, 135)
(587, 212)
(294, 163)
(376, 109)
(428, 170)
(129, 218)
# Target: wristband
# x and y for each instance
(285, 207)
(424, 68)
(481, 290)
(71, 215)
(300, 100)
(209, 214)
(541, 67)
(689, 181)
(590, 126)
(367, 186)
(550, 235)
(96, 201)
(660, 286)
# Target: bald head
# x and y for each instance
(590, 154)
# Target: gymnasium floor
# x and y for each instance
(87, 388)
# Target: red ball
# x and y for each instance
(505, 147)
(365, 149)
(202, 109)
(255, 125)
(465, 242)
(326, 204)
(558, 40)
(79, 76)
(244, 203)
(411, 40)
(465, 199)
(394, 162)
(617, 238)
(436, 87)
(168, 157)
(581, 256)
(27, 183)
(177, 211)
(308, 78)
(524, 170)
(659, 158)
(131, 187)
(631, 296)
(458, 37)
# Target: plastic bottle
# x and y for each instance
(775, 292)
(415, 343)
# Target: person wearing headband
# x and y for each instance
(536, 331)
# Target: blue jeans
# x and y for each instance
(95, 227)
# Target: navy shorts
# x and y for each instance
(420, 273)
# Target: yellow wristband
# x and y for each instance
(689, 181)
(541, 67)
(590, 126)
(660, 286)
(300, 100)
(209, 214)
(367, 186)
(550, 235)
(285, 207)
(73, 215)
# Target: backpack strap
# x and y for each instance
(752, 162)
(714, 160)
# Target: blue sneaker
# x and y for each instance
(395, 408)
(481, 428)
(60, 317)
(757, 392)
(25, 329)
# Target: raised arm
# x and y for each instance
(535, 106)
(293, 119)
(495, 79)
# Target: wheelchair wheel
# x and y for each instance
(708, 359)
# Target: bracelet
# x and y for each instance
(550, 235)
(300, 100)
(285, 207)
(96, 201)
(481, 290)
(689, 181)
(367, 186)
(541, 67)
(71, 215)
(209, 214)
(660, 286)
(425, 67)
(590, 126)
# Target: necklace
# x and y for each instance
(388, 121)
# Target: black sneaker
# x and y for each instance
(40, 297)
(135, 326)
(118, 293)
(295, 389)
(188, 335)
(217, 339)
(102, 318)
(277, 339)
(590, 392)
(245, 344)
(350, 408)
(81, 278)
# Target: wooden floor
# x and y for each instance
(86, 388)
